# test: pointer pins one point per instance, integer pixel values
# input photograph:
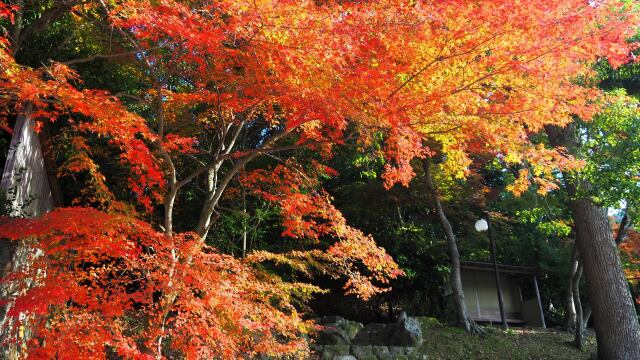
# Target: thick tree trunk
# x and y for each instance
(616, 324)
(454, 257)
(615, 319)
(24, 178)
(24, 183)
(28, 194)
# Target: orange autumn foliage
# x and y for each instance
(309, 215)
(473, 77)
(101, 279)
(630, 250)
(50, 91)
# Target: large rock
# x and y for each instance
(333, 335)
(348, 340)
(363, 352)
(413, 354)
(378, 334)
(396, 351)
(382, 352)
(406, 332)
(352, 328)
(329, 352)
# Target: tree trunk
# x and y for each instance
(616, 324)
(615, 319)
(454, 257)
(28, 194)
(569, 304)
(575, 287)
(24, 177)
(586, 315)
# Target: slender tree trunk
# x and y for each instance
(206, 219)
(454, 257)
(569, 304)
(586, 315)
(575, 287)
(245, 219)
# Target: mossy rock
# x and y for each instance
(382, 353)
(352, 328)
(428, 322)
(331, 351)
(363, 352)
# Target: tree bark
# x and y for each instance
(575, 287)
(615, 319)
(616, 324)
(586, 315)
(25, 180)
(569, 304)
(454, 258)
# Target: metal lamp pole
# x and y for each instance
(482, 225)
(495, 271)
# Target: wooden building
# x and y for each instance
(522, 302)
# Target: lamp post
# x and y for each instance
(484, 225)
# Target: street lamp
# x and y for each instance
(484, 225)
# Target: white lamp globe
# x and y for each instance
(482, 225)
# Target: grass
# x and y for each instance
(449, 343)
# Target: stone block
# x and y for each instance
(333, 335)
(352, 328)
(409, 350)
(331, 351)
(378, 334)
(382, 352)
(406, 332)
(396, 351)
(363, 352)
(412, 353)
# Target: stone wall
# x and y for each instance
(342, 339)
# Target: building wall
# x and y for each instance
(481, 295)
(531, 312)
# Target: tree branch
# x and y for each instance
(98, 56)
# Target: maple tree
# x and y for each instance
(229, 81)
(99, 284)
(161, 302)
(443, 79)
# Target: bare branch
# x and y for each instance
(98, 56)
